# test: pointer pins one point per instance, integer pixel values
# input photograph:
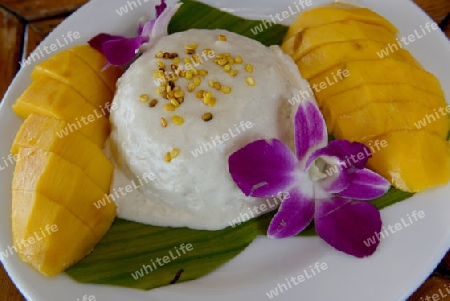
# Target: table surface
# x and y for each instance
(25, 23)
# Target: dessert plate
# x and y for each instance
(402, 262)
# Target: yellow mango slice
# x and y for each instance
(46, 235)
(97, 61)
(59, 180)
(376, 119)
(47, 96)
(69, 68)
(345, 31)
(385, 71)
(354, 99)
(412, 160)
(34, 221)
(337, 12)
(39, 131)
(328, 56)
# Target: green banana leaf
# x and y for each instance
(127, 256)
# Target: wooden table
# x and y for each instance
(25, 23)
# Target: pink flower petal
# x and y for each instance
(162, 22)
(294, 215)
(121, 51)
(262, 168)
(160, 8)
(97, 41)
(310, 131)
(365, 185)
(349, 154)
(348, 225)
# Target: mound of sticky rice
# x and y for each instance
(181, 110)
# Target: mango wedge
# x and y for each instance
(345, 31)
(34, 221)
(50, 97)
(59, 180)
(330, 55)
(377, 119)
(337, 12)
(354, 99)
(97, 61)
(385, 71)
(70, 69)
(39, 131)
(413, 160)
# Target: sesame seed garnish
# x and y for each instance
(222, 62)
(191, 87)
(175, 153)
(222, 37)
(212, 102)
(174, 102)
(169, 107)
(207, 117)
(233, 73)
(177, 120)
(197, 59)
(225, 89)
(153, 103)
(217, 85)
(144, 98)
(189, 74)
(161, 65)
(249, 68)
(238, 60)
(203, 72)
(173, 55)
(250, 81)
(176, 60)
(197, 81)
(200, 94)
(168, 157)
(159, 55)
(211, 83)
(163, 122)
(179, 94)
(227, 68)
(160, 90)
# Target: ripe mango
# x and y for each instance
(356, 98)
(69, 68)
(337, 12)
(376, 119)
(413, 160)
(50, 97)
(59, 180)
(97, 61)
(344, 31)
(386, 71)
(39, 131)
(47, 251)
(328, 56)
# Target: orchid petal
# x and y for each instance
(310, 131)
(147, 28)
(97, 41)
(347, 225)
(121, 51)
(160, 8)
(365, 185)
(336, 179)
(162, 22)
(348, 153)
(263, 169)
(294, 215)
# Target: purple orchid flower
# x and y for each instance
(323, 180)
(120, 50)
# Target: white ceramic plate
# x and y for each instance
(401, 263)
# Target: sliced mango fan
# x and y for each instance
(128, 245)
